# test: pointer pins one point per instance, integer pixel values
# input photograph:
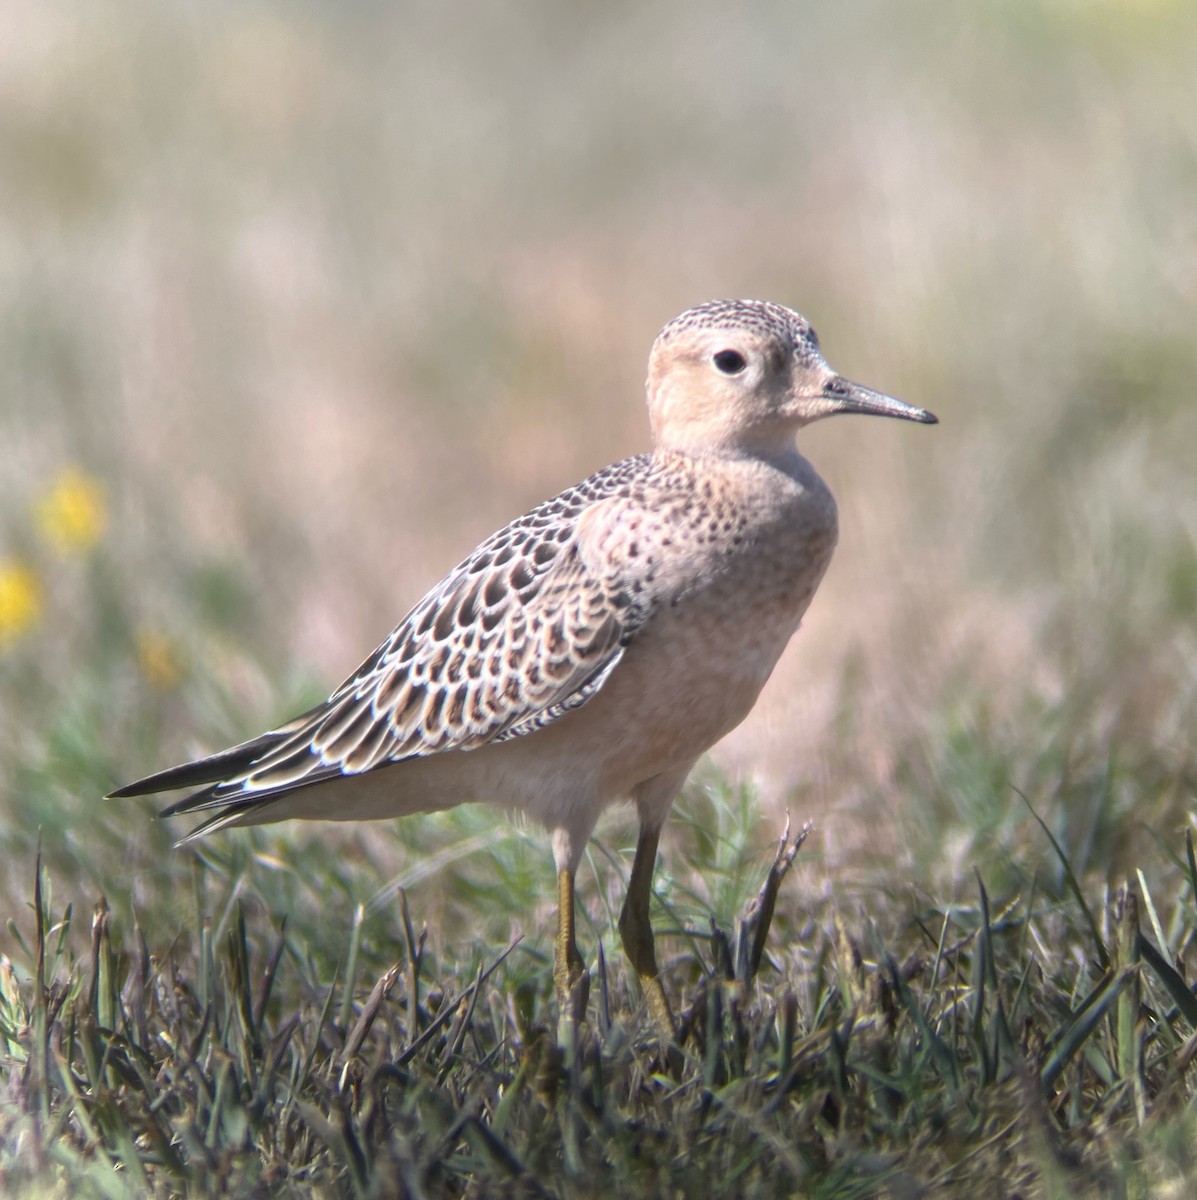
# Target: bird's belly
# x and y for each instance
(680, 687)
(676, 695)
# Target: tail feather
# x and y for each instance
(216, 768)
(228, 815)
(234, 803)
(221, 780)
(235, 794)
(194, 802)
(219, 821)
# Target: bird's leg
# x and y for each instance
(637, 932)
(569, 971)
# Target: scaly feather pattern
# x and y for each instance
(523, 631)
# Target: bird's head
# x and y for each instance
(746, 375)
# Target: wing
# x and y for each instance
(526, 629)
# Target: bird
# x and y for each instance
(590, 651)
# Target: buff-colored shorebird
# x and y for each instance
(592, 650)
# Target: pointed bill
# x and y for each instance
(843, 395)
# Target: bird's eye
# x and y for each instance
(730, 362)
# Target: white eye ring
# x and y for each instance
(729, 362)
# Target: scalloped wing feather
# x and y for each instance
(525, 630)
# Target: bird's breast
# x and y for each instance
(733, 572)
(751, 545)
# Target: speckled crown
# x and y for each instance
(761, 316)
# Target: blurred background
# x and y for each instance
(299, 301)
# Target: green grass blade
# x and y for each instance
(1103, 956)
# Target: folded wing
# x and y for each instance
(525, 630)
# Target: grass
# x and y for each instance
(1036, 1042)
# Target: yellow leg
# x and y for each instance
(569, 971)
(637, 931)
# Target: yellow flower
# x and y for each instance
(158, 660)
(20, 601)
(73, 514)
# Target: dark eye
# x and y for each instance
(730, 362)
